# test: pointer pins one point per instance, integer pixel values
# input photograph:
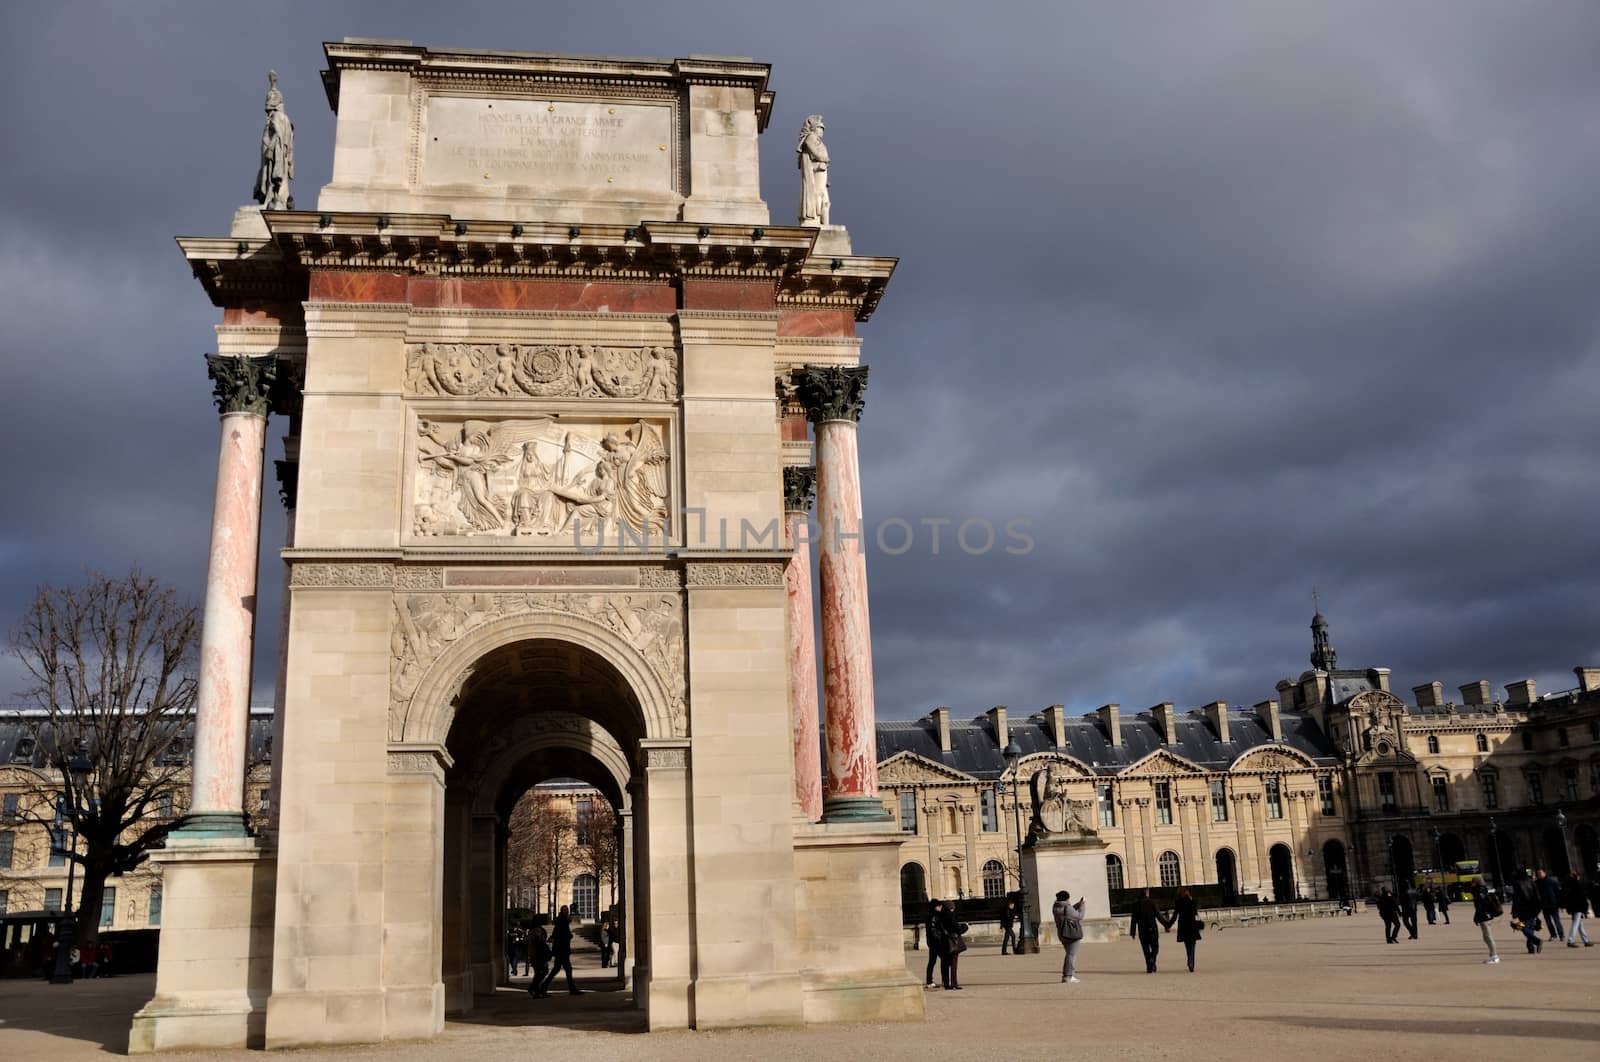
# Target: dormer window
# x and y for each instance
(23, 753)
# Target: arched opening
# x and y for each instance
(540, 804)
(1333, 868)
(1451, 850)
(1282, 862)
(994, 879)
(1170, 868)
(1556, 860)
(1402, 863)
(1114, 879)
(1227, 876)
(1588, 846)
(913, 886)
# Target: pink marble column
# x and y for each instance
(222, 712)
(798, 483)
(833, 398)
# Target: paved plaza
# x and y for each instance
(1310, 990)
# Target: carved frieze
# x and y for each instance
(427, 624)
(542, 477)
(1270, 760)
(411, 761)
(748, 573)
(306, 573)
(516, 370)
(678, 758)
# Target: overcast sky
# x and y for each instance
(1230, 300)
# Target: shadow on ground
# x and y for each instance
(604, 1006)
(1517, 1028)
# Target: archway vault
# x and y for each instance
(539, 746)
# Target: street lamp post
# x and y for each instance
(1013, 757)
(1438, 855)
(1561, 824)
(67, 926)
(1494, 845)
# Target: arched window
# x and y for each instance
(913, 885)
(1483, 743)
(994, 879)
(1433, 744)
(585, 898)
(1113, 873)
(1171, 870)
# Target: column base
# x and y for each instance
(854, 809)
(212, 824)
(195, 1023)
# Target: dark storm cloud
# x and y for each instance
(1227, 300)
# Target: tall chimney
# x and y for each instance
(1111, 716)
(1475, 692)
(1523, 692)
(1588, 678)
(941, 723)
(1267, 712)
(1430, 695)
(1217, 713)
(1379, 677)
(1002, 733)
(1056, 716)
(1167, 720)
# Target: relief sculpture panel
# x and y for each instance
(545, 477)
(513, 370)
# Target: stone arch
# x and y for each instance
(1272, 759)
(427, 715)
(553, 730)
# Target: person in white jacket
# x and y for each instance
(1069, 930)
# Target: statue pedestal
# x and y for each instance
(832, 240)
(1078, 865)
(249, 224)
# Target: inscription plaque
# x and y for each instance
(548, 144)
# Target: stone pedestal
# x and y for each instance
(1077, 865)
(215, 969)
(852, 954)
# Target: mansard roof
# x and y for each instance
(974, 749)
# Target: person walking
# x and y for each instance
(1444, 904)
(1525, 912)
(514, 949)
(954, 944)
(539, 956)
(1069, 930)
(603, 936)
(933, 934)
(1145, 926)
(1428, 904)
(1008, 921)
(561, 953)
(1408, 909)
(1575, 901)
(1389, 911)
(1485, 909)
(1549, 890)
(1187, 913)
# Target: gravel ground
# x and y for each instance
(1316, 989)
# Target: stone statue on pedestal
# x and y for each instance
(813, 159)
(277, 152)
(1055, 815)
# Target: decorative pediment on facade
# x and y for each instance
(1039, 761)
(1272, 758)
(1162, 762)
(908, 768)
(1381, 701)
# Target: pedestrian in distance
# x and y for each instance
(1069, 930)
(1428, 903)
(539, 956)
(1485, 909)
(561, 952)
(1145, 926)
(1008, 921)
(1408, 909)
(933, 933)
(1575, 901)
(1187, 913)
(1549, 890)
(1389, 911)
(603, 935)
(1525, 912)
(1444, 904)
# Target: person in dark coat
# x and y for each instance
(1008, 920)
(1408, 909)
(605, 943)
(539, 958)
(1145, 926)
(1525, 910)
(1575, 901)
(1389, 911)
(1549, 890)
(1187, 913)
(1444, 904)
(1428, 904)
(561, 953)
(1485, 909)
(933, 933)
(952, 932)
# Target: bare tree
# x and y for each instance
(540, 847)
(597, 847)
(112, 669)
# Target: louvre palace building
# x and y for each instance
(1333, 788)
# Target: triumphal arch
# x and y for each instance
(555, 395)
